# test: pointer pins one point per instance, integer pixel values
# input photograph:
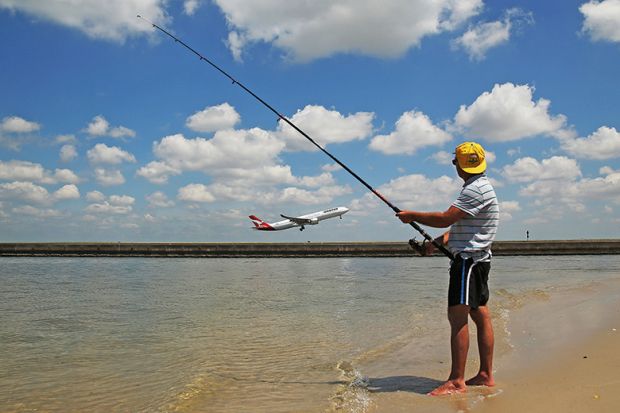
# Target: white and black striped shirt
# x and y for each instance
(473, 235)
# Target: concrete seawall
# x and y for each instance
(314, 249)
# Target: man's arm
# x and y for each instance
(433, 219)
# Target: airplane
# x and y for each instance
(301, 221)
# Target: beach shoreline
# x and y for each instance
(562, 356)
(565, 354)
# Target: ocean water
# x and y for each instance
(244, 335)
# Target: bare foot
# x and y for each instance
(481, 379)
(449, 387)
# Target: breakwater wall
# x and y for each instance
(306, 249)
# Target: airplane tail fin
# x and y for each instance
(260, 224)
(256, 221)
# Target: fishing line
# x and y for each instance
(234, 81)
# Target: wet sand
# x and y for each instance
(564, 358)
(581, 378)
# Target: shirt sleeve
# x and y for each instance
(469, 201)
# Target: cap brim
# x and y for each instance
(477, 169)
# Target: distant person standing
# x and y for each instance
(527, 235)
(473, 218)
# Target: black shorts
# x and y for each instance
(468, 282)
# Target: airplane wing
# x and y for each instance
(300, 221)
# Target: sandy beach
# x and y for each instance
(564, 358)
(566, 355)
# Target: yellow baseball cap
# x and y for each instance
(470, 156)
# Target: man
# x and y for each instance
(473, 218)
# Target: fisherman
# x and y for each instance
(473, 218)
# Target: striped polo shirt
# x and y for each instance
(473, 235)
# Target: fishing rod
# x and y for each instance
(415, 244)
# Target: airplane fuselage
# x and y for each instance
(300, 221)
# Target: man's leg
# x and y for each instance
(459, 344)
(486, 340)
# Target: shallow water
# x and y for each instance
(242, 335)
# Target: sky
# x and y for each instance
(111, 131)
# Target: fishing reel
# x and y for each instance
(419, 246)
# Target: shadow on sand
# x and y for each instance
(415, 384)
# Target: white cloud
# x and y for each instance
(489, 156)
(67, 192)
(508, 113)
(218, 191)
(157, 172)
(414, 130)
(325, 179)
(15, 124)
(115, 204)
(604, 143)
(123, 200)
(604, 187)
(322, 195)
(332, 167)
(63, 175)
(510, 206)
(190, 6)
(443, 157)
(108, 177)
(553, 194)
(22, 171)
(311, 30)
(28, 171)
(29, 192)
(507, 208)
(573, 193)
(459, 11)
(245, 149)
(113, 20)
(16, 131)
(412, 192)
(529, 169)
(160, 200)
(99, 126)
(195, 193)
(25, 191)
(104, 154)
(121, 132)
(36, 212)
(601, 19)
(65, 139)
(324, 127)
(480, 38)
(226, 191)
(236, 43)
(243, 165)
(106, 208)
(68, 153)
(319, 196)
(213, 118)
(95, 196)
